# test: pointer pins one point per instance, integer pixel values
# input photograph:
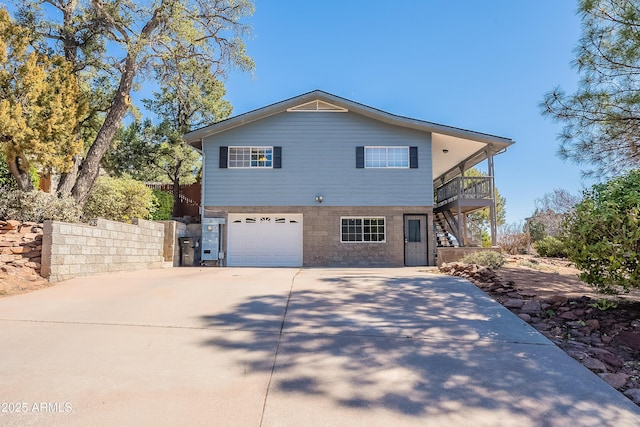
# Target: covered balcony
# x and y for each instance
(468, 192)
(456, 194)
(454, 201)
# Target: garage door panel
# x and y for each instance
(264, 240)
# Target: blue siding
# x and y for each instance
(318, 158)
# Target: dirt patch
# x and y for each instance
(13, 285)
(600, 331)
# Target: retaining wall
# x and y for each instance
(71, 250)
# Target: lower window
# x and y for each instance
(362, 229)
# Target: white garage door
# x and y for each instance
(265, 240)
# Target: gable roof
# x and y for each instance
(466, 147)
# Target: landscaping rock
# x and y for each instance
(629, 339)
(611, 360)
(10, 224)
(594, 364)
(557, 300)
(633, 394)
(577, 354)
(540, 325)
(20, 250)
(528, 294)
(513, 303)
(615, 380)
(531, 306)
(605, 341)
(569, 315)
(593, 324)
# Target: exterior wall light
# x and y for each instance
(319, 199)
(445, 151)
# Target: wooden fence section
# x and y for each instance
(190, 197)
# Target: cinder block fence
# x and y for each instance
(72, 250)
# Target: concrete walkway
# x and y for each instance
(286, 347)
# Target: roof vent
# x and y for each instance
(317, 107)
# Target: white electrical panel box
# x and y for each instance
(211, 238)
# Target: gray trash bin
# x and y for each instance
(187, 251)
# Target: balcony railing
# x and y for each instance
(467, 187)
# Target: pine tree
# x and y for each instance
(40, 107)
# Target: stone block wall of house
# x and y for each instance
(321, 229)
(72, 250)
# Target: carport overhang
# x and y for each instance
(452, 155)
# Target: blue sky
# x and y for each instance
(478, 65)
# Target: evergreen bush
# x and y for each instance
(163, 206)
(551, 247)
(119, 199)
(602, 234)
(37, 206)
(485, 258)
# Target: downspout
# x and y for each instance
(203, 177)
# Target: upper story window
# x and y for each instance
(250, 157)
(386, 157)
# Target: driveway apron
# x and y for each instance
(286, 347)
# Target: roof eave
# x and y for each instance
(466, 164)
(195, 137)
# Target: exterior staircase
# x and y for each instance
(455, 200)
(443, 226)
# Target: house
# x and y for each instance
(320, 180)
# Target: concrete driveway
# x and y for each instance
(286, 347)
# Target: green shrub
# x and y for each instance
(119, 199)
(486, 239)
(485, 258)
(7, 181)
(38, 206)
(602, 234)
(163, 206)
(551, 247)
(537, 231)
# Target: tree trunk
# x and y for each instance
(176, 196)
(68, 36)
(90, 167)
(68, 179)
(70, 46)
(22, 176)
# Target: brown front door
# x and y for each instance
(415, 240)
